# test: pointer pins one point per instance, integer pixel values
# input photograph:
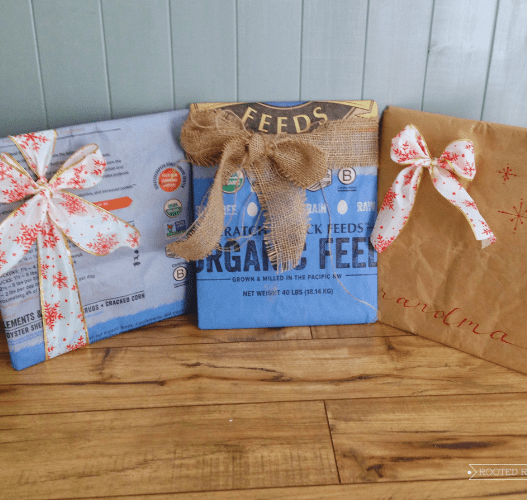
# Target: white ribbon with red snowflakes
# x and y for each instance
(409, 148)
(50, 216)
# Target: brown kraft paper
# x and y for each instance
(435, 280)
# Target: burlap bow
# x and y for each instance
(281, 167)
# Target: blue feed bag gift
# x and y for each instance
(335, 280)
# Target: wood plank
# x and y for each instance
(395, 65)
(72, 58)
(508, 71)
(165, 450)
(356, 331)
(139, 55)
(411, 490)
(459, 56)
(204, 50)
(21, 97)
(269, 35)
(333, 41)
(248, 372)
(184, 330)
(405, 439)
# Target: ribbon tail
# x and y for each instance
(396, 207)
(205, 233)
(63, 319)
(451, 189)
(285, 233)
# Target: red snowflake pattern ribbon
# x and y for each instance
(409, 148)
(50, 216)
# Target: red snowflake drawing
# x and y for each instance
(421, 142)
(51, 348)
(408, 177)
(2, 258)
(383, 243)
(101, 164)
(470, 169)
(32, 141)
(60, 280)
(469, 146)
(4, 170)
(486, 228)
(43, 270)
(406, 153)
(103, 244)
(450, 155)
(28, 235)
(17, 191)
(470, 204)
(106, 216)
(50, 238)
(73, 205)
(133, 239)
(76, 345)
(52, 314)
(517, 215)
(507, 173)
(78, 181)
(388, 200)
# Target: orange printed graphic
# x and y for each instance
(114, 204)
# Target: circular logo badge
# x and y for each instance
(173, 207)
(235, 182)
(347, 175)
(169, 179)
(180, 273)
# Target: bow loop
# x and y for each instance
(15, 183)
(458, 157)
(409, 148)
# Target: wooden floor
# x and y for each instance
(342, 412)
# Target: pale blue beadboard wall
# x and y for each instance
(72, 61)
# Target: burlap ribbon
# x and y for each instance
(281, 167)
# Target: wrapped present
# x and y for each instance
(72, 196)
(285, 195)
(451, 232)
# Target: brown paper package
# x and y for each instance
(435, 280)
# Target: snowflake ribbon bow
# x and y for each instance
(409, 148)
(49, 217)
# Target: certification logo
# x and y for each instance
(169, 177)
(235, 182)
(173, 207)
(347, 175)
(180, 273)
(175, 228)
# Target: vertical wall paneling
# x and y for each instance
(459, 57)
(73, 61)
(269, 35)
(204, 50)
(21, 101)
(395, 66)
(137, 36)
(507, 84)
(333, 43)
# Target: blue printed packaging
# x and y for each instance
(335, 281)
(146, 183)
